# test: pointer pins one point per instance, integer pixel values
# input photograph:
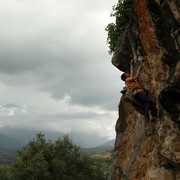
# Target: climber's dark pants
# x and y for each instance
(143, 98)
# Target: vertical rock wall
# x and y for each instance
(145, 150)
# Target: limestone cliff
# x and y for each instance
(145, 150)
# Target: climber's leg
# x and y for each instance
(142, 98)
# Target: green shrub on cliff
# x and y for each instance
(121, 12)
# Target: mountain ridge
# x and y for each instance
(24, 136)
(9, 143)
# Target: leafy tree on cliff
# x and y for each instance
(42, 159)
(121, 12)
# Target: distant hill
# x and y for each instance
(25, 135)
(107, 146)
(7, 157)
(9, 143)
(9, 147)
(81, 139)
(109, 143)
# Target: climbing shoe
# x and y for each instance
(152, 118)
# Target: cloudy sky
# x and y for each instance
(55, 70)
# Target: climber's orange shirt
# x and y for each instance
(131, 84)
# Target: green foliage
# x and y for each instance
(101, 164)
(47, 160)
(5, 172)
(32, 162)
(121, 12)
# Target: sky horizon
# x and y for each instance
(55, 70)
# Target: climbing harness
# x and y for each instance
(130, 92)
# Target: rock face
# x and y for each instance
(150, 150)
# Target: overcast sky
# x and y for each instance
(55, 70)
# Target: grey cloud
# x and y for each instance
(58, 48)
(88, 122)
(55, 49)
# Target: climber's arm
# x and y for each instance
(132, 68)
(138, 72)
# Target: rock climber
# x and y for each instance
(140, 95)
